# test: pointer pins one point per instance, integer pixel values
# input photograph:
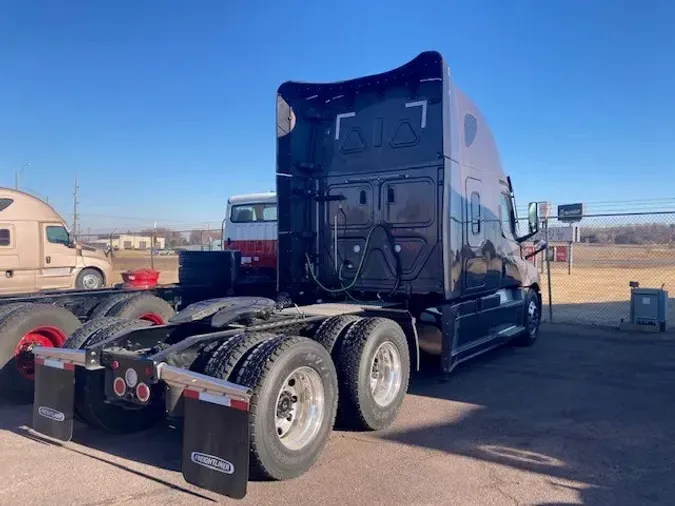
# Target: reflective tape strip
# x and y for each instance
(223, 400)
(56, 364)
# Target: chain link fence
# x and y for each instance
(590, 276)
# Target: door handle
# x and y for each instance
(48, 260)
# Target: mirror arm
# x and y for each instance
(526, 237)
(543, 245)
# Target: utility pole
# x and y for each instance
(75, 217)
(17, 175)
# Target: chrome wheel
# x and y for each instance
(300, 408)
(91, 281)
(385, 374)
(533, 317)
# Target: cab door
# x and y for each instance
(59, 258)
(16, 276)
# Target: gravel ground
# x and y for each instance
(584, 417)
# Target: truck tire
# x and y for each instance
(372, 346)
(532, 319)
(144, 306)
(82, 335)
(20, 330)
(8, 308)
(294, 376)
(89, 279)
(90, 403)
(199, 363)
(331, 330)
(224, 360)
(102, 308)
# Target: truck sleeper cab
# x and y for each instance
(406, 241)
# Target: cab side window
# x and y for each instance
(5, 237)
(58, 235)
(505, 213)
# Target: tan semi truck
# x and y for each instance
(37, 252)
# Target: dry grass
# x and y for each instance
(597, 289)
(603, 284)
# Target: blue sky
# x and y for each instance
(164, 109)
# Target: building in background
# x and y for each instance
(132, 242)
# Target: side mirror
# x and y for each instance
(533, 217)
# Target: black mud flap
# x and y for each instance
(216, 444)
(54, 399)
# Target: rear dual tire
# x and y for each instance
(293, 377)
(294, 402)
(373, 365)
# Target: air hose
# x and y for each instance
(357, 275)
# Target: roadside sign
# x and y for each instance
(558, 234)
(570, 213)
(544, 209)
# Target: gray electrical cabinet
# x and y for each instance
(649, 306)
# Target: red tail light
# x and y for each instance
(119, 387)
(142, 392)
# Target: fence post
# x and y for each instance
(152, 250)
(569, 251)
(112, 251)
(548, 273)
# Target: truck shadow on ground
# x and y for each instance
(136, 448)
(585, 410)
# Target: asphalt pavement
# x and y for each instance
(585, 416)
